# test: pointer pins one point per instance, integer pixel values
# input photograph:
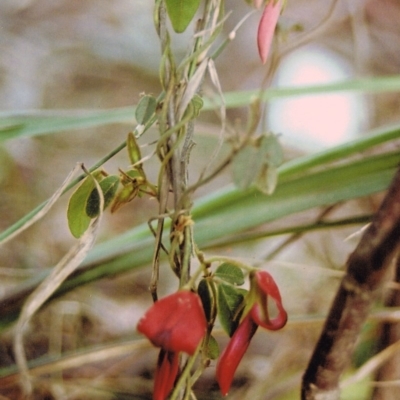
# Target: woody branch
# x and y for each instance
(367, 267)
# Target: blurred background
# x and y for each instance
(74, 54)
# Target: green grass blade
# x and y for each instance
(365, 85)
(39, 122)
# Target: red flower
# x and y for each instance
(175, 323)
(234, 352)
(266, 28)
(262, 286)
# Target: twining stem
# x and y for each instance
(367, 268)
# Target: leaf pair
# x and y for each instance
(229, 299)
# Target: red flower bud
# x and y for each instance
(234, 352)
(175, 323)
(266, 28)
(166, 372)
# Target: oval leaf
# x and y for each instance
(230, 300)
(246, 167)
(271, 150)
(109, 187)
(78, 220)
(181, 12)
(145, 109)
(230, 273)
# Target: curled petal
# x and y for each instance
(261, 318)
(234, 352)
(166, 372)
(175, 323)
(266, 28)
(266, 286)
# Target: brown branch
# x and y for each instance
(390, 334)
(367, 267)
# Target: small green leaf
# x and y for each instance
(212, 350)
(271, 150)
(145, 109)
(246, 167)
(181, 12)
(230, 273)
(109, 187)
(133, 149)
(205, 292)
(230, 301)
(256, 164)
(78, 220)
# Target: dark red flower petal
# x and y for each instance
(234, 352)
(175, 323)
(166, 372)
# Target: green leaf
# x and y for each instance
(181, 12)
(78, 220)
(230, 300)
(230, 273)
(145, 109)
(212, 350)
(205, 292)
(109, 187)
(246, 167)
(256, 164)
(271, 150)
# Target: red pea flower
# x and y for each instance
(234, 352)
(262, 286)
(175, 323)
(266, 28)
